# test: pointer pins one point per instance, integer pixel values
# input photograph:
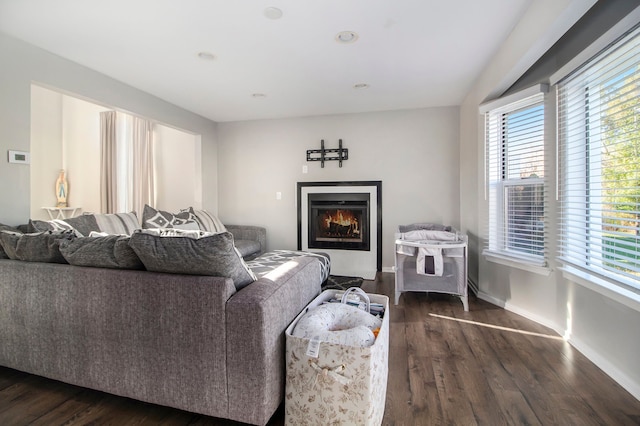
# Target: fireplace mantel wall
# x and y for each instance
(414, 152)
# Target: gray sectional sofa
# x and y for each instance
(196, 343)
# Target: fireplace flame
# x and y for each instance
(343, 218)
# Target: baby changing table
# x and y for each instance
(431, 258)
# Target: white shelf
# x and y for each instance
(61, 212)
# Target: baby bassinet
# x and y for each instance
(431, 258)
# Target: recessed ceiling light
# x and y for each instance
(273, 13)
(346, 37)
(207, 56)
(361, 86)
(258, 95)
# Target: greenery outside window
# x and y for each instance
(516, 179)
(599, 148)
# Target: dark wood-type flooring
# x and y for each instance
(446, 367)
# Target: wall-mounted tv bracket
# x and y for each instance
(343, 154)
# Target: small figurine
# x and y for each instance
(61, 190)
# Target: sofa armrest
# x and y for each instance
(257, 317)
(253, 233)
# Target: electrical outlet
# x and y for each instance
(305, 169)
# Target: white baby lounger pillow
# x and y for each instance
(338, 323)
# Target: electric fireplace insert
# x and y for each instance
(339, 221)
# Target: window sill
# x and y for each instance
(607, 288)
(515, 263)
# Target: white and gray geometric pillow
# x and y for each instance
(114, 224)
(56, 225)
(153, 218)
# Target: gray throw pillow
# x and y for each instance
(8, 242)
(191, 252)
(85, 223)
(38, 247)
(110, 251)
(3, 254)
(152, 218)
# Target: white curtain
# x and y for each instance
(127, 174)
(108, 163)
(143, 182)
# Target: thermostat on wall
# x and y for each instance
(20, 157)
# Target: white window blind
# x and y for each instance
(515, 162)
(599, 164)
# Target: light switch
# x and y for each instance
(278, 195)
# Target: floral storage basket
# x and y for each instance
(343, 384)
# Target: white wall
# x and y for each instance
(46, 150)
(65, 134)
(414, 153)
(600, 326)
(81, 152)
(23, 64)
(178, 172)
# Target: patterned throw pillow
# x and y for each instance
(191, 252)
(55, 225)
(116, 224)
(208, 222)
(110, 251)
(152, 219)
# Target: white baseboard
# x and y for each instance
(601, 362)
(473, 286)
(391, 269)
(610, 369)
(522, 312)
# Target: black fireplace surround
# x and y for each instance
(341, 220)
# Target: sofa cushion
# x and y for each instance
(247, 247)
(37, 247)
(110, 251)
(153, 218)
(209, 222)
(191, 252)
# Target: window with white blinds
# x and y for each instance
(516, 184)
(599, 164)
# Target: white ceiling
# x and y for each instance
(412, 53)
